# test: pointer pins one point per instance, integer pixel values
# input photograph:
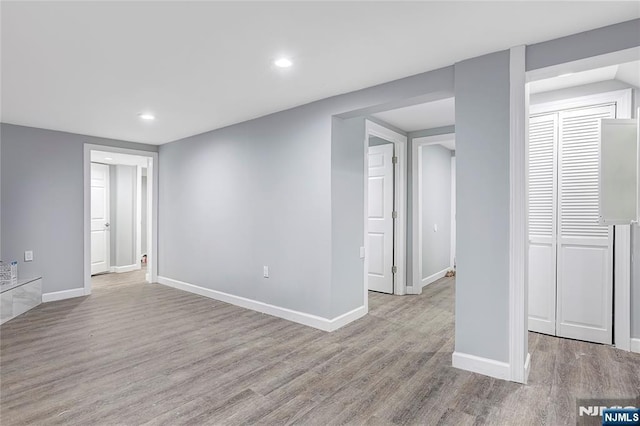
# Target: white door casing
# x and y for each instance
(100, 235)
(543, 143)
(380, 218)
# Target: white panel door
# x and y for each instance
(543, 142)
(585, 248)
(100, 241)
(380, 217)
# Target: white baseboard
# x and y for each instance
(126, 268)
(64, 294)
(635, 345)
(486, 366)
(147, 277)
(265, 308)
(435, 277)
(527, 368)
(414, 289)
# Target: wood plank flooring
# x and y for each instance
(135, 353)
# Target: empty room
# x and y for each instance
(393, 213)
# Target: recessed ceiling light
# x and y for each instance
(147, 116)
(283, 63)
(108, 158)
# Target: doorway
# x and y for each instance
(385, 209)
(434, 206)
(572, 255)
(120, 214)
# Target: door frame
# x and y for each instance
(621, 267)
(152, 181)
(399, 203)
(416, 178)
(108, 209)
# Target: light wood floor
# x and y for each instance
(136, 353)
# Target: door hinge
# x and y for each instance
(394, 159)
(394, 269)
(394, 215)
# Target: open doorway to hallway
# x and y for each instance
(121, 217)
(431, 227)
(430, 198)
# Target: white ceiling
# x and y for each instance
(628, 73)
(421, 116)
(91, 67)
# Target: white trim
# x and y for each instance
(635, 345)
(518, 221)
(126, 268)
(433, 278)
(454, 206)
(152, 179)
(411, 289)
(310, 320)
(416, 167)
(480, 365)
(622, 287)
(400, 205)
(64, 294)
(527, 367)
(622, 98)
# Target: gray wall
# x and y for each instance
(42, 202)
(600, 41)
(282, 190)
(122, 192)
(113, 213)
(347, 214)
(125, 235)
(436, 209)
(144, 222)
(376, 141)
(482, 155)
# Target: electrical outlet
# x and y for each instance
(265, 271)
(28, 255)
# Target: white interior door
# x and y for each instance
(543, 142)
(585, 248)
(100, 236)
(380, 217)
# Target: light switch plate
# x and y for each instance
(361, 252)
(265, 271)
(28, 255)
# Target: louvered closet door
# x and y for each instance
(543, 142)
(585, 249)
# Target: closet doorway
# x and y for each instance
(571, 254)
